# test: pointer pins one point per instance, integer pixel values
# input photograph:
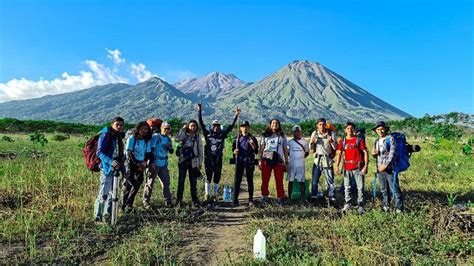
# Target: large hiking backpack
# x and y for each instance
(90, 154)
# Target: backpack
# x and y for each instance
(401, 157)
(90, 153)
(329, 133)
(358, 141)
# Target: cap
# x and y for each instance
(216, 122)
(295, 128)
(245, 124)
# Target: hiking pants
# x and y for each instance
(239, 172)
(132, 185)
(164, 175)
(350, 178)
(184, 168)
(103, 200)
(317, 172)
(385, 178)
(278, 171)
(213, 167)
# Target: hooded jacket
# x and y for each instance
(106, 148)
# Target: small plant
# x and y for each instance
(7, 139)
(59, 137)
(451, 199)
(38, 137)
(466, 149)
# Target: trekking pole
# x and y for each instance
(237, 147)
(115, 197)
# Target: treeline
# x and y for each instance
(450, 126)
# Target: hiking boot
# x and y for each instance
(361, 210)
(386, 208)
(146, 206)
(346, 207)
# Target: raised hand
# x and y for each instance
(199, 106)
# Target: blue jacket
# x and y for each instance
(106, 147)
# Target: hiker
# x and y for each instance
(110, 153)
(215, 142)
(384, 151)
(355, 165)
(298, 149)
(138, 152)
(190, 155)
(273, 155)
(160, 145)
(323, 145)
(245, 146)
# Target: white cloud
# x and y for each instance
(115, 55)
(180, 75)
(140, 72)
(94, 74)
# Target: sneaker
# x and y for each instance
(168, 203)
(314, 197)
(235, 204)
(107, 218)
(346, 207)
(280, 202)
(398, 211)
(250, 204)
(197, 204)
(146, 205)
(98, 220)
(386, 208)
(361, 210)
(265, 199)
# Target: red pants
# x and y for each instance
(278, 171)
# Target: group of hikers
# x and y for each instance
(144, 155)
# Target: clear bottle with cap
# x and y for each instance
(259, 246)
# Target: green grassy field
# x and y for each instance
(46, 209)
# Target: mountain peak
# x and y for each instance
(153, 80)
(210, 85)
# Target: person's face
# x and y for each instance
(193, 127)
(142, 131)
(216, 127)
(117, 126)
(349, 130)
(321, 126)
(244, 130)
(381, 131)
(166, 130)
(297, 134)
(274, 125)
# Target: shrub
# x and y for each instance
(59, 137)
(7, 139)
(38, 137)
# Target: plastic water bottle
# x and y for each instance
(259, 245)
(227, 194)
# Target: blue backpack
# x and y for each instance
(401, 156)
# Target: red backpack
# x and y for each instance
(90, 154)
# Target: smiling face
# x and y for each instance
(321, 127)
(297, 134)
(192, 127)
(349, 130)
(216, 128)
(275, 126)
(381, 131)
(166, 130)
(142, 131)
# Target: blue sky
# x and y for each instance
(416, 55)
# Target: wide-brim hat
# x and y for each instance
(381, 124)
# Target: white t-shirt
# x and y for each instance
(271, 144)
(297, 152)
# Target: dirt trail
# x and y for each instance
(220, 239)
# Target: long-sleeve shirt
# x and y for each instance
(386, 149)
(214, 140)
(246, 152)
(109, 148)
(191, 141)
